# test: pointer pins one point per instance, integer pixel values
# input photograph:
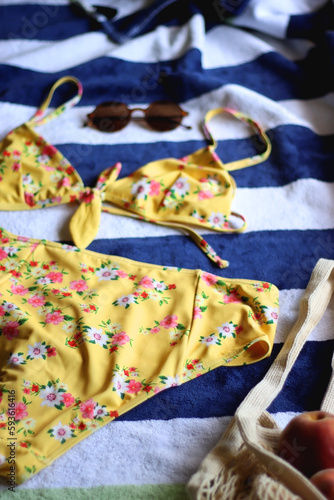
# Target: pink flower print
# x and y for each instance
(65, 182)
(10, 330)
(20, 411)
(55, 318)
(79, 285)
(55, 277)
(274, 316)
(86, 196)
(16, 154)
(87, 409)
(215, 156)
(197, 313)
(121, 274)
(19, 289)
(3, 254)
(169, 321)
(120, 338)
(205, 195)
(232, 298)
(51, 351)
(16, 167)
(36, 301)
(2, 311)
(156, 329)
(227, 330)
(209, 279)
(68, 399)
(257, 317)
(134, 387)
(154, 188)
(271, 314)
(80, 88)
(146, 282)
(29, 199)
(105, 273)
(56, 199)
(117, 167)
(49, 150)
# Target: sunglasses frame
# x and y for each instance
(128, 116)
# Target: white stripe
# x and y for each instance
(281, 208)
(244, 47)
(273, 17)
(10, 49)
(289, 310)
(293, 49)
(265, 208)
(137, 453)
(315, 114)
(161, 44)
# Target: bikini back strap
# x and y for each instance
(245, 162)
(196, 237)
(40, 118)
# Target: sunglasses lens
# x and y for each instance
(164, 115)
(110, 116)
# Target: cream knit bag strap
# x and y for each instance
(244, 465)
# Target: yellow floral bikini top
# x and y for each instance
(196, 190)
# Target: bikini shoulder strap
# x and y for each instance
(245, 162)
(40, 117)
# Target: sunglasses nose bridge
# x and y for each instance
(132, 110)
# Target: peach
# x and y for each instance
(307, 442)
(324, 481)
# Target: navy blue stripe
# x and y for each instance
(180, 80)
(58, 22)
(42, 22)
(285, 258)
(297, 153)
(313, 25)
(53, 22)
(219, 392)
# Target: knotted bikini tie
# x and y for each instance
(85, 222)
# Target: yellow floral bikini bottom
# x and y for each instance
(85, 337)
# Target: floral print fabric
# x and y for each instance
(84, 337)
(196, 190)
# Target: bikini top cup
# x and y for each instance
(196, 190)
